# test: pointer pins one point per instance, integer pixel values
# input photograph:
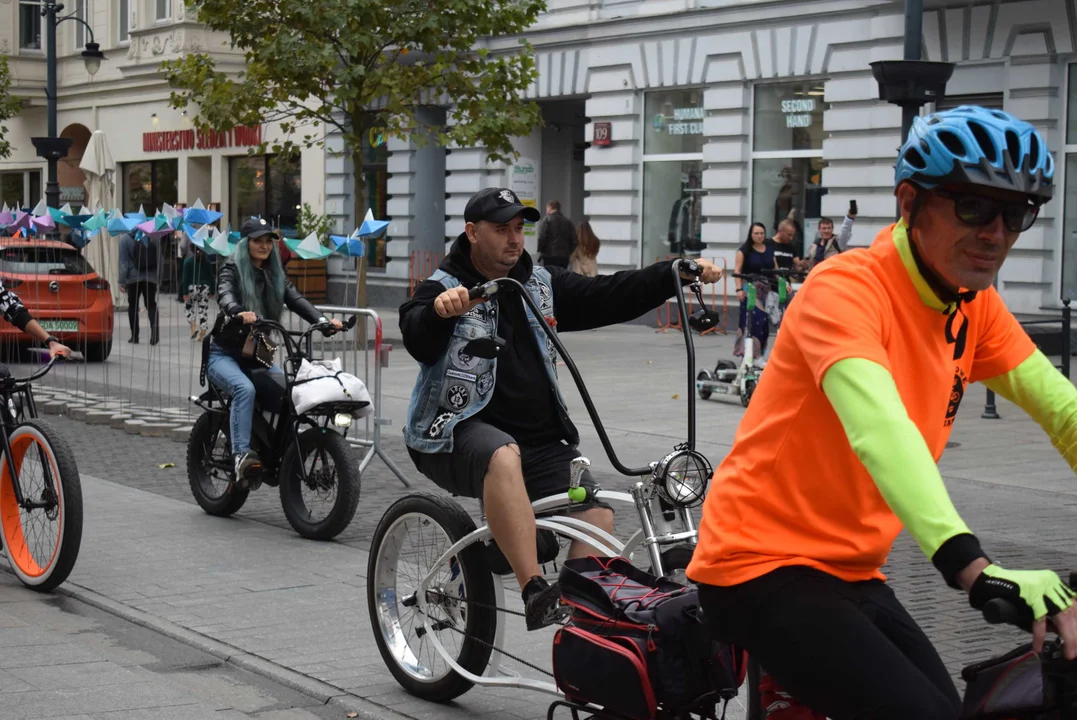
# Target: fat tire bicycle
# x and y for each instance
(423, 599)
(289, 446)
(29, 509)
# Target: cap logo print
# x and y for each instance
(507, 196)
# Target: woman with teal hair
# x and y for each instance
(251, 286)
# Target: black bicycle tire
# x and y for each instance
(347, 500)
(234, 498)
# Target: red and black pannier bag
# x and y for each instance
(1014, 685)
(635, 643)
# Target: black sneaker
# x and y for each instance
(249, 470)
(542, 603)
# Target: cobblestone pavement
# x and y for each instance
(62, 658)
(252, 582)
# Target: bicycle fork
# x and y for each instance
(658, 531)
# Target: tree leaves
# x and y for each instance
(353, 65)
(10, 106)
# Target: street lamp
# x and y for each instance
(54, 148)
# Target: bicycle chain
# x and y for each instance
(483, 642)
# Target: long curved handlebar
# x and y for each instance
(490, 288)
(294, 344)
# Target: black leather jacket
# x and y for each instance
(230, 301)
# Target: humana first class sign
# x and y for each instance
(179, 140)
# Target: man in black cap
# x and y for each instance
(499, 429)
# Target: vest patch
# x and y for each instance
(460, 375)
(457, 397)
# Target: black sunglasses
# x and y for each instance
(979, 211)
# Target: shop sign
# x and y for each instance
(798, 112)
(72, 193)
(685, 121)
(524, 182)
(179, 140)
(603, 133)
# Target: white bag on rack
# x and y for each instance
(325, 381)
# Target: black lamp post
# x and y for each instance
(54, 148)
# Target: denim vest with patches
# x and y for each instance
(458, 386)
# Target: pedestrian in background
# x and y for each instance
(556, 237)
(584, 259)
(139, 275)
(199, 281)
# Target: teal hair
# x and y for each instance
(271, 305)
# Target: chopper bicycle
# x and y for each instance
(435, 591)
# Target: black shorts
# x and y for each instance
(844, 649)
(546, 467)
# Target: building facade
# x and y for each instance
(709, 114)
(718, 113)
(159, 155)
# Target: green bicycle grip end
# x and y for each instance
(577, 494)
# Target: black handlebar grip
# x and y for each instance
(350, 323)
(998, 611)
(476, 292)
(691, 267)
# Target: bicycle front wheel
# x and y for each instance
(42, 536)
(458, 608)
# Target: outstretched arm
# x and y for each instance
(888, 443)
(1047, 396)
(583, 303)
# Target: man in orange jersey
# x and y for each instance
(878, 349)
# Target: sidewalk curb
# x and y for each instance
(325, 693)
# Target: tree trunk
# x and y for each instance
(359, 129)
(359, 210)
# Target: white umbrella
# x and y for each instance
(100, 171)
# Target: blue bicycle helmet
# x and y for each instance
(972, 144)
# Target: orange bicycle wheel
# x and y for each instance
(42, 543)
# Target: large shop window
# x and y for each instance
(150, 184)
(787, 157)
(20, 189)
(268, 186)
(672, 174)
(1069, 222)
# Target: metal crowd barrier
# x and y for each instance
(354, 350)
(990, 410)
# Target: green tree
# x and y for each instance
(9, 106)
(365, 67)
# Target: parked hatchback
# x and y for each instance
(62, 291)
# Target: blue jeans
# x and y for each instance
(226, 373)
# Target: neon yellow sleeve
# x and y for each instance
(893, 451)
(1049, 398)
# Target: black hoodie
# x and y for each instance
(523, 403)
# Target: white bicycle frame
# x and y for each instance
(648, 536)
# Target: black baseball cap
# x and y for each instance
(254, 227)
(498, 205)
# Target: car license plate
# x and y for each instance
(59, 325)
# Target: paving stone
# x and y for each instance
(133, 427)
(98, 417)
(156, 429)
(53, 407)
(180, 434)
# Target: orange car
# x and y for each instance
(62, 291)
